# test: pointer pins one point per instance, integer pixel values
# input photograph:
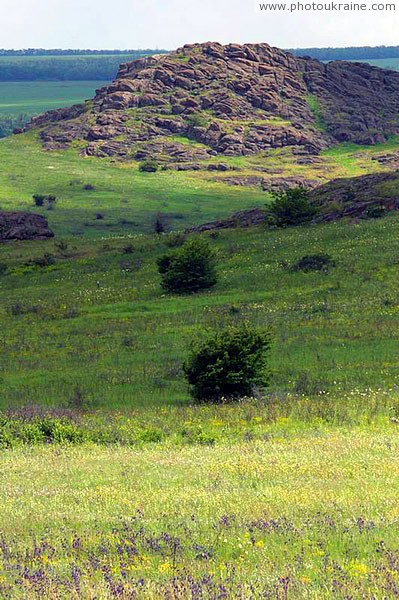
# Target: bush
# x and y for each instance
(148, 166)
(291, 207)
(375, 212)
(38, 199)
(159, 224)
(314, 262)
(42, 261)
(188, 269)
(229, 364)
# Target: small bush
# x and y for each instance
(148, 166)
(376, 212)
(39, 199)
(42, 261)
(188, 269)
(314, 262)
(159, 224)
(291, 207)
(229, 364)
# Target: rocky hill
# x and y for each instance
(207, 99)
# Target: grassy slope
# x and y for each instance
(129, 199)
(295, 497)
(126, 341)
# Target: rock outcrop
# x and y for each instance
(207, 99)
(355, 198)
(23, 226)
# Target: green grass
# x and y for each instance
(129, 200)
(308, 516)
(35, 97)
(112, 483)
(124, 345)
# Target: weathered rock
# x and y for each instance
(23, 226)
(355, 197)
(236, 100)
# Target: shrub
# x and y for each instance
(148, 166)
(291, 207)
(3, 268)
(188, 269)
(159, 224)
(229, 364)
(39, 199)
(375, 212)
(42, 261)
(314, 262)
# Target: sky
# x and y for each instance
(171, 23)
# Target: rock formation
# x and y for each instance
(207, 99)
(23, 226)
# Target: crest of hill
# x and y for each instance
(207, 99)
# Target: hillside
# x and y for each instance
(230, 101)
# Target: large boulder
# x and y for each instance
(23, 226)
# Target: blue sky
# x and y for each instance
(171, 23)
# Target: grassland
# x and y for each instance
(113, 485)
(312, 515)
(128, 200)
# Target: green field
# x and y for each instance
(35, 97)
(113, 483)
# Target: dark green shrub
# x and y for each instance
(39, 199)
(148, 166)
(190, 268)
(159, 224)
(314, 262)
(291, 207)
(3, 268)
(42, 261)
(229, 364)
(375, 212)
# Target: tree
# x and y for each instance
(229, 364)
(190, 268)
(291, 207)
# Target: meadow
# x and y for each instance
(113, 483)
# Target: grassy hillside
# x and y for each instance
(97, 319)
(114, 485)
(129, 200)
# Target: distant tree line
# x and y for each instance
(63, 67)
(72, 52)
(361, 53)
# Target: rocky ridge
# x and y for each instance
(207, 99)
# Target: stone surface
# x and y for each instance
(23, 226)
(228, 100)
